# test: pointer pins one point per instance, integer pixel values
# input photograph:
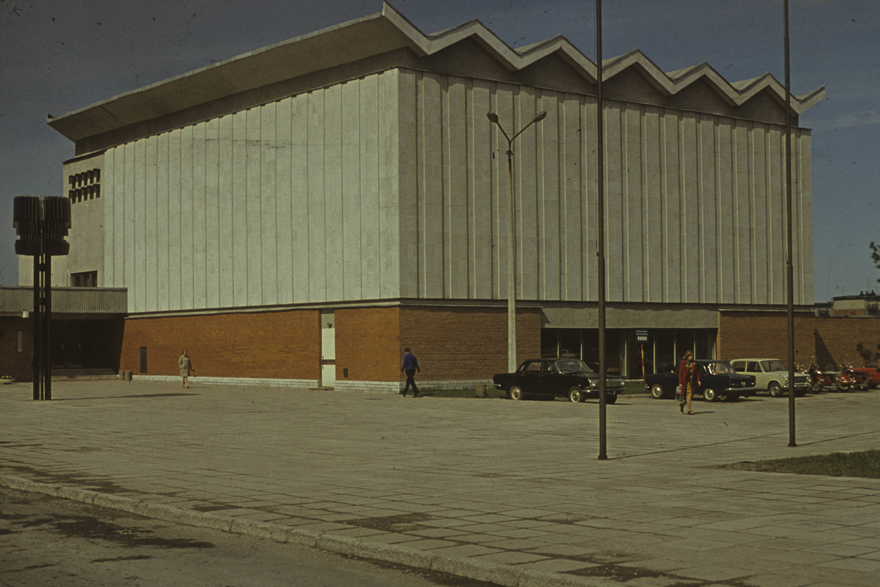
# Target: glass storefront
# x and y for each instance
(625, 354)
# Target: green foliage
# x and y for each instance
(866, 354)
(875, 255)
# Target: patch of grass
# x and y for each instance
(633, 386)
(838, 464)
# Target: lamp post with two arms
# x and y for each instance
(511, 228)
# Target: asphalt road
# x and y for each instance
(49, 541)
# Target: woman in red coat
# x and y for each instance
(688, 379)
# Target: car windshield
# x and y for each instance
(774, 365)
(719, 367)
(572, 366)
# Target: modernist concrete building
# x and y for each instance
(301, 213)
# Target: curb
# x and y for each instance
(506, 575)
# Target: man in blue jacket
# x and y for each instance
(410, 365)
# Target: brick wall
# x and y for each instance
(12, 362)
(759, 334)
(367, 344)
(824, 339)
(836, 339)
(282, 345)
(466, 343)
(451, 343)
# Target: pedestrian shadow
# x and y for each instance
(129, 396)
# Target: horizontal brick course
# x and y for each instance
(451, 343)
(367, 344)
(467, 343)
(274, 345)
(760, 334)
(825, 340)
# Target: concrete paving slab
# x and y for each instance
(337, 469)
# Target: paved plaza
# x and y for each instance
(504, 491)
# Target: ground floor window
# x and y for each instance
(625, 353)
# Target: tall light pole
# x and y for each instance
(789, 266)
(511, 253)
(600, 232)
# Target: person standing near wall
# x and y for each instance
(185, 364)
(689, 379)
(410, 365)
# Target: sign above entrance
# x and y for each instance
(641, 336)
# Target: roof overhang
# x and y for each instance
(370, 36)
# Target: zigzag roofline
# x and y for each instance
(734, 93)
(375, 37)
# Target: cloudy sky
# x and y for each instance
(57, 56)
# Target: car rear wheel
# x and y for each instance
(515, 392)
(775, 389)
(575, 395)
(710, 395)
(657, 391)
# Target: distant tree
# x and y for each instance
(875, 254)
(865, 353)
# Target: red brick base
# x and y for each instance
(825, 340)
(466, 343)
(451, 343)
(272, 345)
(744, 335)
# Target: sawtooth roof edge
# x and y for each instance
(255, 69)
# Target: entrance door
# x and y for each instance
(328, 349)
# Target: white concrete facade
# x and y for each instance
(290, 202)
(394, 185)
(356, 164)
(695, 202)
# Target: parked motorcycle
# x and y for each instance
(816, 378)
(859, 380)
(842, 380)
(814, 387)
(828, 380)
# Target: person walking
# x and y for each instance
(186, 366)
(689, 380)
(410, 365)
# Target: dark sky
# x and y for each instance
(57, 56)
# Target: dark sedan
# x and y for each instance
(718, 381)
(550, 378)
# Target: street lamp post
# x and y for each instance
(789, 266)
(511, 262)
(42, 224)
